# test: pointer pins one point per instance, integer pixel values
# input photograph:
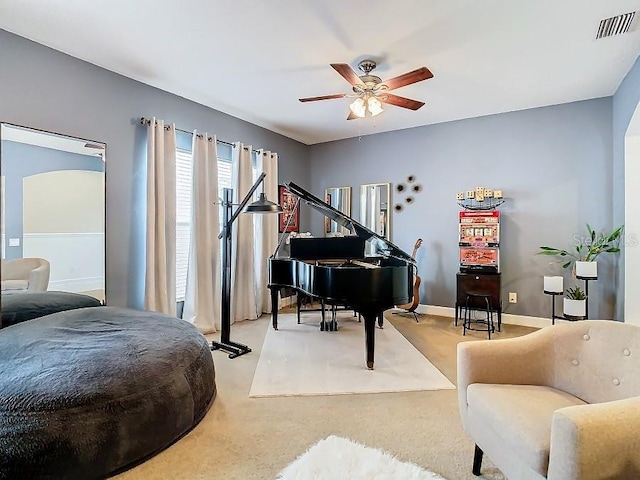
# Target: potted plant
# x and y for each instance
(587, 249)
(575, 303)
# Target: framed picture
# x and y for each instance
(290, 216)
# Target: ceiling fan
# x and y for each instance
(370, 92)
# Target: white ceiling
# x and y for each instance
(253, 59)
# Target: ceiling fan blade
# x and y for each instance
(324, 97)
(418, 75)
(401, 101)
(352, 116)
(347, 72)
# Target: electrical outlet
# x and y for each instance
(513, 297)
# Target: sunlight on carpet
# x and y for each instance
(302, 360)
(336, 458)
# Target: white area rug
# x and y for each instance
(302, 360)
(336, 458)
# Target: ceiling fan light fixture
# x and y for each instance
(374, 106)
(370, 92)
(358, 107)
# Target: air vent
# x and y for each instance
(615, 25)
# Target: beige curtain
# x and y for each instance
(243, 286)
(160, 275)
(202, 296)
(266, 228)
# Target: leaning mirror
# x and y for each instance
(340, 199)
(53, 207)
(374, 208)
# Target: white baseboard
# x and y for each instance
(77, 284)
(510, 319)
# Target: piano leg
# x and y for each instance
(333, 326)
(370, 333)
(274, 308)
(324, 326)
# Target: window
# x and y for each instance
(184, 178)
(184, 175)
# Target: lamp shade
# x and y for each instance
(262, 205)
(374, 106)
(358, 107)
(553, 284)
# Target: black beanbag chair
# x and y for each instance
(21, 306)
(87, 393)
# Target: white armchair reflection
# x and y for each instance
(28, 274)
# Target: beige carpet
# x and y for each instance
(255, 438)
(299, 359)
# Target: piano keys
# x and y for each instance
(337, 270)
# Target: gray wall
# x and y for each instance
(559, 167)
(48, 90)
(554, 165)
(625, 102)
(19, 160)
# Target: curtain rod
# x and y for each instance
(147, 121)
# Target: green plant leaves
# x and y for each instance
(576, 293)
(594, 244)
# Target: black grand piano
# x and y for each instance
(336, 269)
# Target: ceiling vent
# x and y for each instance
(615, 25)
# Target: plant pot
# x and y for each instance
(587, 269)
(575, 309)
(553, 284)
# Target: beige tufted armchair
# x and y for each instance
(30, 274)
(562, 403)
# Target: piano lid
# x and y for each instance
(382, 245)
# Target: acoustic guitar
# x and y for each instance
(410, 307)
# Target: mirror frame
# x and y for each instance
(330, 225)
(386, 199)
(104, 190)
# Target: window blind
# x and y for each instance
(184, 174)
(184, 179)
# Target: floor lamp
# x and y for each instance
(262, 205)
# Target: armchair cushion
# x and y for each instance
(15, 284)
(497, 409)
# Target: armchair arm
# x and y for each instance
(524, 360)
(596, 441)
(39, 278)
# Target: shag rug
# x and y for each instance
(336, 458)
(299, 359)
